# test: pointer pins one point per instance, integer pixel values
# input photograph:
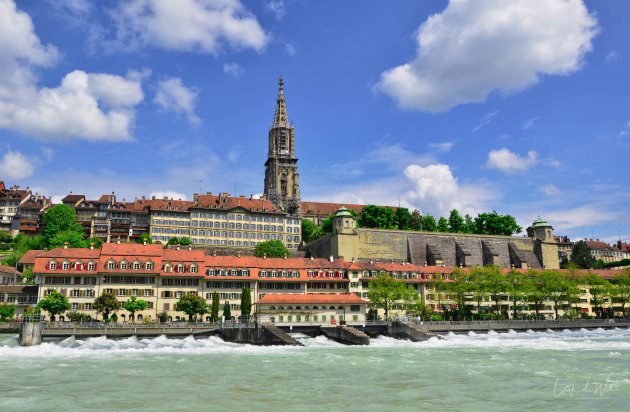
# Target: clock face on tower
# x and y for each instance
(281, 175)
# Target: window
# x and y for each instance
(149, 265)
(136, 265)
(65, 265)
(148, 292)
(88, 306)
(76, 293)
(91, 266)
(193, 268)
(134, 292)
(75, 306)
(121, 292)
(180, 268)
(111, 265)
(124, 265)
(89, 293)
(53, 265)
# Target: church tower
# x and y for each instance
(282, 181)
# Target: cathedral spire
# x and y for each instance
(280, 119)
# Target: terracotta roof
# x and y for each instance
(31, 205)
(322, 209)
(131, 249)
(71, 253)
(107, 198)
(72, 198)
(183, 255)
(312, 299)
(597, 245)
(9, 269)
(225, 201)
(29, 257)
(163, 204)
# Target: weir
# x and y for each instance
(261, 334)
(346, 335)
(409, 331)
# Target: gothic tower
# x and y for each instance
(282, 181)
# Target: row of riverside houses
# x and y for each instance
(315, 289)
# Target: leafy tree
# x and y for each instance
(97, 242)
(78, 317)
(403, 217)
(28, 277)
(227, 311)
(456, 223)
(429, 224)
(478, 290)
(216, 305)
(272, 249)
(6, 312)
(581, 255)
(442, 225)
(558, 286)
(378, 217)
(415, 221)
(106, 304)
(516, 286)
(21, 244)
(55, 304)
(145, 237)
(327, 224)
(536, 291)
(469, 224)
(495, 284)
(598, 289)
(184, 241)
(246, 302)
(620, 289)
(61, 220)
(192, 304)
(71, 238)
(310, 231)
(384, 291)
(134, 305)
(495, 224)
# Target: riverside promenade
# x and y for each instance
(519, 325)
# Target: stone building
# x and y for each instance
(538, 250)
(282, 181)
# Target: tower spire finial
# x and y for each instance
(280, 119)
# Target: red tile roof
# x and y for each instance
(225, 201)
(1, 185)
(72, 198)
(131, 249)
(322, 209)
(311, 299)
(9, 269)
(597, 245)
(29, 257)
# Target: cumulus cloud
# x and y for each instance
(188, 25)
(15, 166)
(94, 106)
(437, 191)
(508, 162)
(173, 96)
(277, 8)
(169, 194)
(473, 48)
(233, 69)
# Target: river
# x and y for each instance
(567, 370)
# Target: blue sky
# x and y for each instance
(522, 106)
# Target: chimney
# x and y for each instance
(425, 263)
(118, 242)
(352, 259)
(264, 256)
(189, 248)
(330, 258)
(285, 256)
(312, 258)
(91, 246)
(144, 242)
(65, 245)
(177, 247)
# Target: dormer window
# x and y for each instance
(111, 265)
(180, 268)
(193, 268)
(136, 265)
(167, 267)
(124, 265)
(211, 272)
(233, 272)
(65, 265)
(149, 265)
(53, 265)
(91, 266)
(78, 266)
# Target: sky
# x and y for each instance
(520, 106)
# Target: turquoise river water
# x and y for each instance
(537, 371)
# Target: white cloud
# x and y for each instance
(169, 194)
(436, 190)
(14, 165)
(485, 120)
(233, 69)
(277, 7)
(473, 48)
(550, 190)
(583, 216)
(507, 161)
(612, 56)
(442, 146)
(530, 123)
(92, 106)
(290, 49)
(188, 25)
(173, 96)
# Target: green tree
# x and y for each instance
(415, 221)
(184, 241)
(20, 245)
(599, 290)
(442, 225)
(216, 305)
(429, 224)
(384, 291)
(620, 289)
(60, 220)
(145, 237)
(310, 231)
(6, 312)
(327, 224)
(68, 237)
(456, 223)
(581, 255)
(537, 290)
(494, 282)
(192, 305)
(28, 277)
(271, 249)
(495, 224)
(246, 302)
(516, 287)
(469, 224)
(403, 217)
(55, 304)
(106, 304)
(134, 305)
(227, 311)
(378, 217)
(558, 286)
(97, 242)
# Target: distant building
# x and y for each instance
(603, 251)
(10, 200)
